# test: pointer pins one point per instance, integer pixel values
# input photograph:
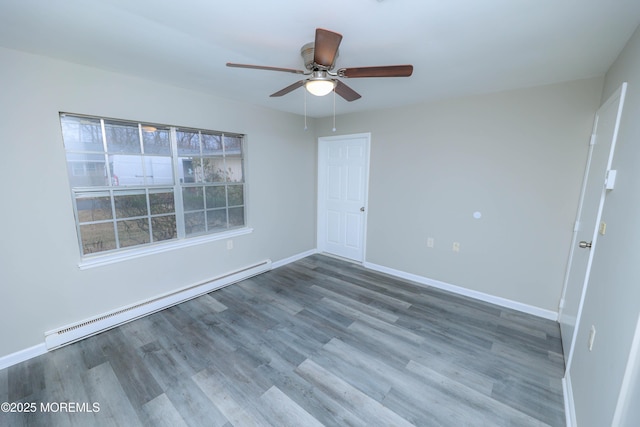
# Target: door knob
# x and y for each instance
(585, 245)
(362, 209)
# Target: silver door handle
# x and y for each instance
(585, 245)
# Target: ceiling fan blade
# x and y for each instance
(260, 67)
(288, 89)
(326, 47)
(346, 92)
(382, 71)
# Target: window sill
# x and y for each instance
(100, 260)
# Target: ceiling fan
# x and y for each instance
(319, 60)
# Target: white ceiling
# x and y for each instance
(457, 47)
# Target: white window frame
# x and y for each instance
(181, 240)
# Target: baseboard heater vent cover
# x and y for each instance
(84, 329)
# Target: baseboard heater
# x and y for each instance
(84, 329)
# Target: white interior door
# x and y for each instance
(587, 226)
(343, 171)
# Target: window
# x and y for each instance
(136, 184)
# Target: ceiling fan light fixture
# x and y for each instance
(320, 87)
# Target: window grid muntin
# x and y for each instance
(177, 187)
(116, 219)
(203, 183)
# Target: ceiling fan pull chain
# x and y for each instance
(334, 109)
(305, 110)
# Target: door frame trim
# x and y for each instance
(619, 96)
(319, 204)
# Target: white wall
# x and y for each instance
(517, 157)
(628, 410)
(612, 302)
(41, 285)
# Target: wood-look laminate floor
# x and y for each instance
(317, 342)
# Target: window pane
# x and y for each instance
(216, 197)
(130, 204)
(161, 202)
(126, 170)
(97, 237)
(192, 198)
(236, 195)
(211, 144)
(86, 170)
(212, 170)
(122, 137)
(233, 145)
(164, 227)
(186, 171)
(93, 208)
(236, 217)
(133, 232)
(217, 219)
(81, 134)
(194, 223)
(155, 142)
(234, 170)
(158, 170)
(188, 142)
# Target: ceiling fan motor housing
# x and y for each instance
(307, 51)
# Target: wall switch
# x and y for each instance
(229, 244)
(430, 242)
(592, 337)
(456, 247)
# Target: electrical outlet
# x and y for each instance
(456, 247)
(430, 242)
(229, 244)
(592, 337)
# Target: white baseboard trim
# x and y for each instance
(569, 407)
(293, 258)
(503, 302)
(80, 330)
(77, 331)
(74, 332)
(22, 355)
